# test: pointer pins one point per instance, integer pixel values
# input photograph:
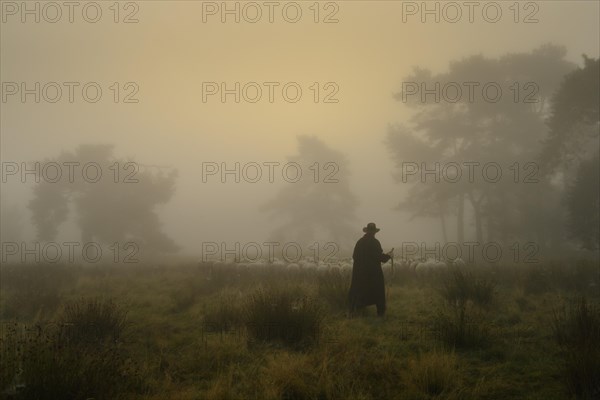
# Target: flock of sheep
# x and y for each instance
(343, 264)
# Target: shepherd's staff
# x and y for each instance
(391, 254)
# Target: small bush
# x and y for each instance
(93, 321)
(577, 332)
(279, 315)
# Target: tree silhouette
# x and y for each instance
(320, 204)
(571, 150)
(119, 207)
(506, 130)
(11, 222)
(574, 118)
(583, 200)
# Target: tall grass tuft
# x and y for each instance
(467, 297)
(462, 327)
(224, 316)
(434, 374)
(278, 315)
(82, 360)
(93, 321)
(460, 288)
(332, 286)
(577, 332)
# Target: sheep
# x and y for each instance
(345, 266)
(429, 265)
(458, 262)
(307, 265)
(293, 267)
(323, 267)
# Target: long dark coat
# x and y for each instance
(367, 287)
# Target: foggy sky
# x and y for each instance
(170, 52)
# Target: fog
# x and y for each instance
(169, 117)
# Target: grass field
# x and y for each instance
(202, 331)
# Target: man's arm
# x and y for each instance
(381, 256)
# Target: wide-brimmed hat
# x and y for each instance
(371, 227)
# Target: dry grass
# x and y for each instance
(157, 347)
(435, 373)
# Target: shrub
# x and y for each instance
(280, 315)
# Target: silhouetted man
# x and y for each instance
(367, 287)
